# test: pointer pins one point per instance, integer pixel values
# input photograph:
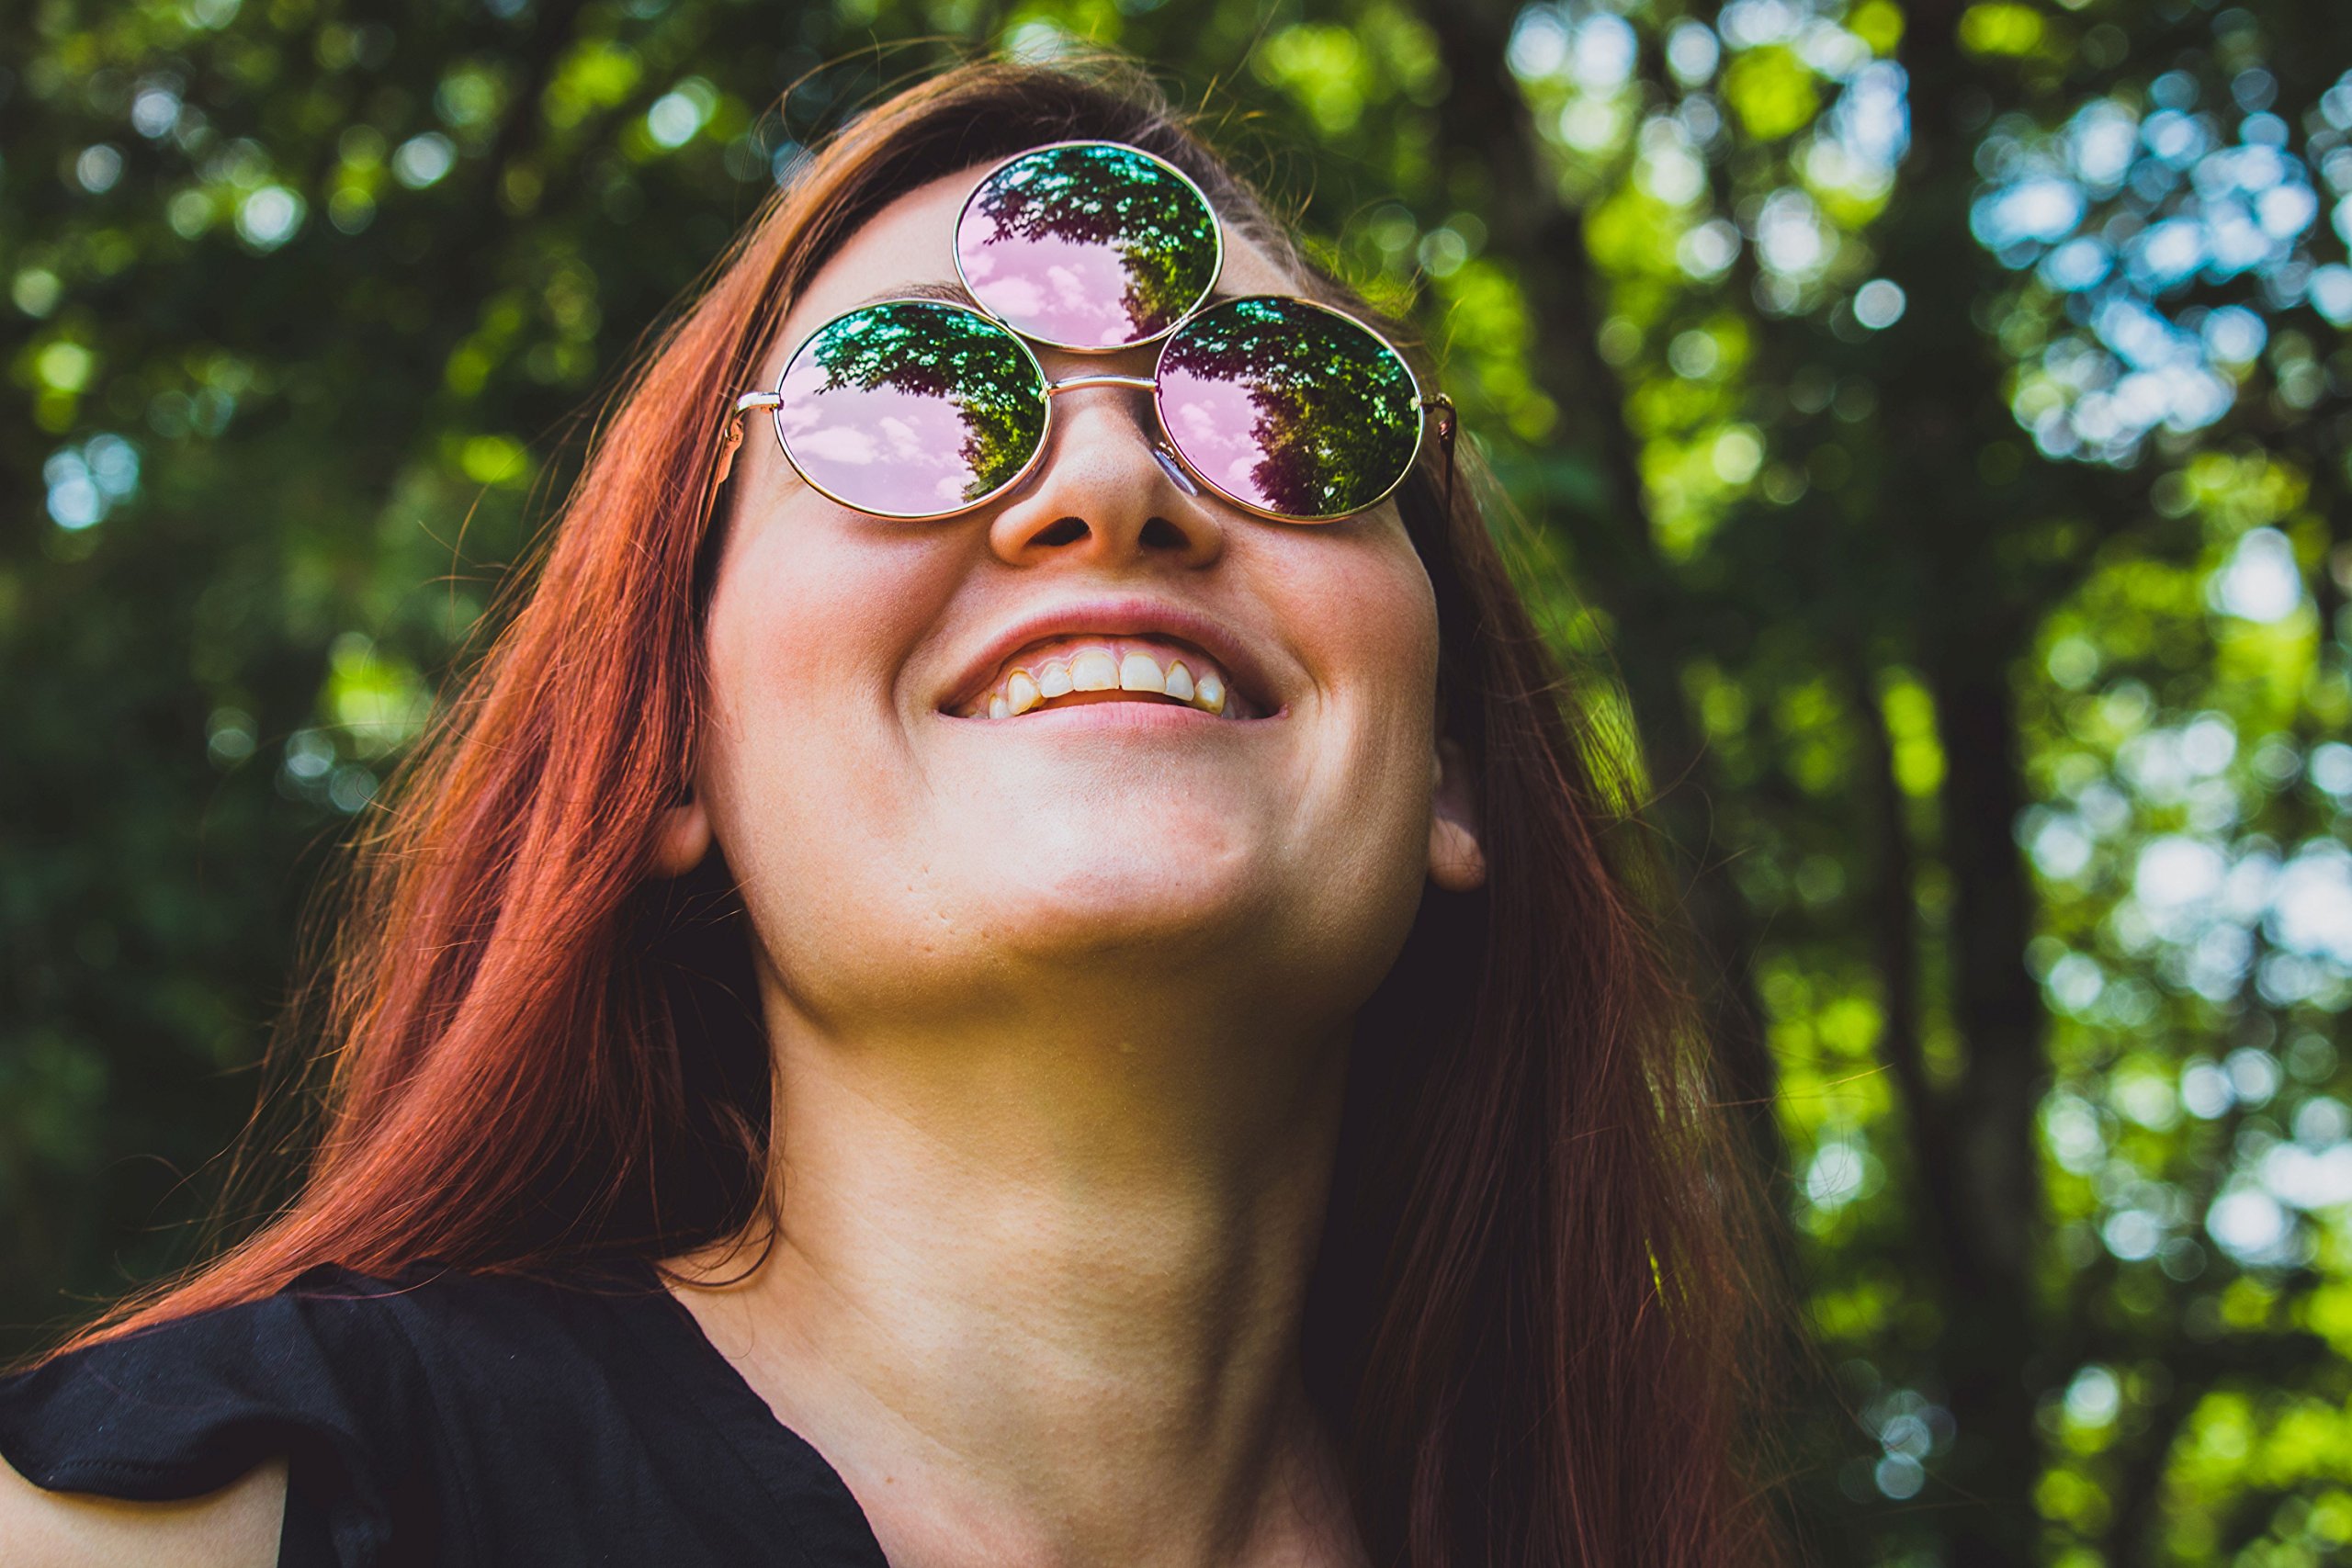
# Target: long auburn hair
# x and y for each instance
(1532, 1324)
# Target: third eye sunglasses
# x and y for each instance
(925, 408)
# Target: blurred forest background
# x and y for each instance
(1937, 409)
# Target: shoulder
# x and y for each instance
(235, 1526)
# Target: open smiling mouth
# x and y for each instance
(1070, 671)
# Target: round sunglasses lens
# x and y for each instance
(1289, 408)
(911, 409)
(1088, 246)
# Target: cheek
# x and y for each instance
(1364, 616)
(805, 638)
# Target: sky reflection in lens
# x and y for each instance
(912, 408)
(1088, 246)
(1290, 408)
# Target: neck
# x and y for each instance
(1038, 1287)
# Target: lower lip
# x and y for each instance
(1121, 716)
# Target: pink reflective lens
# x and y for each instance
(1090, 245)
(912, 408)
(1289, 407)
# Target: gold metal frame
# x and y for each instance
(748, 402)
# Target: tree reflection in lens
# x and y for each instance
(1090, 246)
(911, 407)
(1291, 408)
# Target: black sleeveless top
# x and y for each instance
(449, 1419)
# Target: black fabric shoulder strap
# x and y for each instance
(320, 1373)
(452, 1419)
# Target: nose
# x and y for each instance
(1104, 491)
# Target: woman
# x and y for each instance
(1074, 974)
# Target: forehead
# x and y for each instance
(911, 242)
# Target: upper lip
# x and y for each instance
(1126, 616)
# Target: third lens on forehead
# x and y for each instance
(1088, 246)
(911, 409)
(1288, 407)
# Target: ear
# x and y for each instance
(681, 837)
(1456, 862)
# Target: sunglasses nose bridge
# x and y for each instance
(1073, 383)
(1161, 452)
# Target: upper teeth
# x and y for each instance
(1034, 678)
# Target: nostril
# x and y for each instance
(1159, 533)
(1062, 531)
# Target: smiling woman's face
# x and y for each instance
(903, 854)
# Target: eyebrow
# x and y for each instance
(954, 293)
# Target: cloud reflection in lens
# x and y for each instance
(912, 408)
(1088, 246)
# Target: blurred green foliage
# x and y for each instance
(1939, 411)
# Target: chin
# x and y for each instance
(1166, 896)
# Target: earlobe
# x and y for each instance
(681, 838)
(1457, 862)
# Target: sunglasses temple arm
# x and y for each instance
(1440, 405)
(732, 436)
